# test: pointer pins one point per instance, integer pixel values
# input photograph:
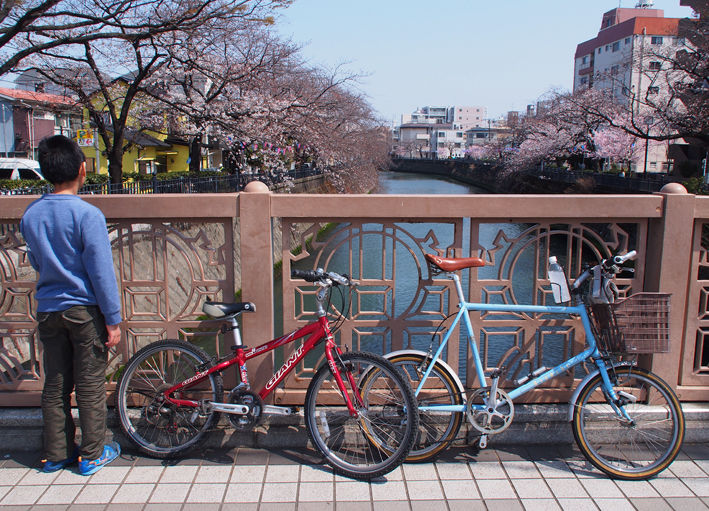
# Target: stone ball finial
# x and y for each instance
(256, 187)
(673, 188)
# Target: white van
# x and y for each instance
(19, 168)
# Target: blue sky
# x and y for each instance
(502, 54)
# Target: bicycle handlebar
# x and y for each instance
(630, 256)
(610, 266)
(321, 275)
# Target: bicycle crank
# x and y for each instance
(490, 416)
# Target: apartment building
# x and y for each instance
(448, 141)
(624, 58)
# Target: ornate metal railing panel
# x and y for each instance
(399, 304)
(695, 359)
(165, 271)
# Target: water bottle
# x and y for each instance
(557, 278)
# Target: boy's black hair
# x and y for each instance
(59, 159)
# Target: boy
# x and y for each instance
(78, 309)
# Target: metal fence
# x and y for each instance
(227, 183)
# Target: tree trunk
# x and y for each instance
(115, 162)
(196, 153)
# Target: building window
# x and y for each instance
(616, 46)
(614, 70)
(655, 65)
(480, 135)
(608, 47)
(599, 50)
(656, 39)
(459, 134)
(584, 60)
(627, 40)
(653, 90)
(442, 134)
(584, 80)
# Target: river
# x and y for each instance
(392, 183)
(392, 260)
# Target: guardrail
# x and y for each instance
(172, 252)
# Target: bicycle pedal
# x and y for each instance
(482, 443)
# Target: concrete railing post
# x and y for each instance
(668, 265)
(257, 275)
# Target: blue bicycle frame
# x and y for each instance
(591, 352)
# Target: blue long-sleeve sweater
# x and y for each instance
(69, 247)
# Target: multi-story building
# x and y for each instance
(465, 117)
(431, 131)
(448, 141)
(624, 58)
(27, 117)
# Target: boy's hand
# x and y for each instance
(114, 335)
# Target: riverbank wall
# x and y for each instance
(493, 178)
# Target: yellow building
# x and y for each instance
(147, 153)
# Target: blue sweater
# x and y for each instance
(68, 245)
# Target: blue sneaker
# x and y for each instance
(53, 466)
(110, 453)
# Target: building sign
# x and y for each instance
(85, 138)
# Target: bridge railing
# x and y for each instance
(171, 252)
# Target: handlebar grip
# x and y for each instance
(630, 256)
(306, 275)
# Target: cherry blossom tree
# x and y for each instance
(29, 27)
(615, 145)
(103, 51)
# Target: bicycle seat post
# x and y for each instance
(235, 332)
(458, 286)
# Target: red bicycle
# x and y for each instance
(360, 412)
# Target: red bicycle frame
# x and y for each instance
(315, 331)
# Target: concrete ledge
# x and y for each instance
(21, 429)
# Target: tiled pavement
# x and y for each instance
(507, 478)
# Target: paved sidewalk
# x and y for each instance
(508, 478)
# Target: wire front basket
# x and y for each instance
(637, 324)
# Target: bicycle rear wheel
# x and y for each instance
(635, 449)
(375, 440)
(155, 426)
(437, 429)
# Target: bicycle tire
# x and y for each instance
(155, 428)
(633, 451)
(437, 430)
(353, 446)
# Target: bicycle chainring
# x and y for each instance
(490, 420)
(247, 421)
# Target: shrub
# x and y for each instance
(96, 179)
(12, 184)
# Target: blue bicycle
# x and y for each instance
(626, 420)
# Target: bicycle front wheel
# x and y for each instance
(437, 428)
(377, 438)
(635, 448)
(157, 427)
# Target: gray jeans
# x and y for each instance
(75, 359)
